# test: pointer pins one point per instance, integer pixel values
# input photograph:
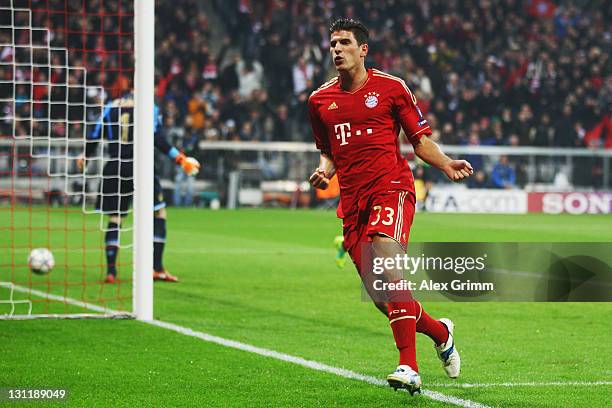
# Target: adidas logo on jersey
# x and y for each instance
(332, 106)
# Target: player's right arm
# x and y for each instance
(321, 176)
(326, 169)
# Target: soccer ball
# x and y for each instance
(41, 261)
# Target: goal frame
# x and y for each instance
(142, 249)
(144, 85)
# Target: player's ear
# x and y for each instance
(364, 50)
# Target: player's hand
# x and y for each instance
(190, 165)
(457, 170)
(80, 163)
(318, 179)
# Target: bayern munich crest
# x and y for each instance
(371, 99)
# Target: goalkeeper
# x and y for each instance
(116, 127)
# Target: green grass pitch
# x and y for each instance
(267, 278)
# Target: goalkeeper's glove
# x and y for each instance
(80, 163)
(190, 166)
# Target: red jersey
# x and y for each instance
(359, 131)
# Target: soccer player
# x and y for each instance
(356, 119)
(116, 191)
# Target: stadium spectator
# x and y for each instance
(503, 174)
(250, 77)
(478, 180)
(303, 74)
(277, 67)
(544, 133)
(476, 159)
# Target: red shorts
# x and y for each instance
(389, 214)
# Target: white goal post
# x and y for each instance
(144, 26)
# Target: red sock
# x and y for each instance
(403, 323)
(425, 324)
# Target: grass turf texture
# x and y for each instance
(268, 278)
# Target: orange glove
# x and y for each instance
(80, 163)
(190, 166)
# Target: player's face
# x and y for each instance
(346, 53)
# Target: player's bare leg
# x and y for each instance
(367, 278)
(159, 243)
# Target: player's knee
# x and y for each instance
(161, 213)
(115, 219)
(386, 245)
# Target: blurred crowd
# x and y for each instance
(490, 72)
(485, 72)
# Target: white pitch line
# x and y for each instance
(522, 384)
(315, 365)
(67, 300)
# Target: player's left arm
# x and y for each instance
(190, 165)
(430, 152)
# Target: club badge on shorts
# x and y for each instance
(371, 99)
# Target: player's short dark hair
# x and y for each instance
(356, 27)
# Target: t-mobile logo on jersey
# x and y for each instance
(345, 132)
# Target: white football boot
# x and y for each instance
(406, 378)
(447, 352)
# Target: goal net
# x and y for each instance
(61, 62)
